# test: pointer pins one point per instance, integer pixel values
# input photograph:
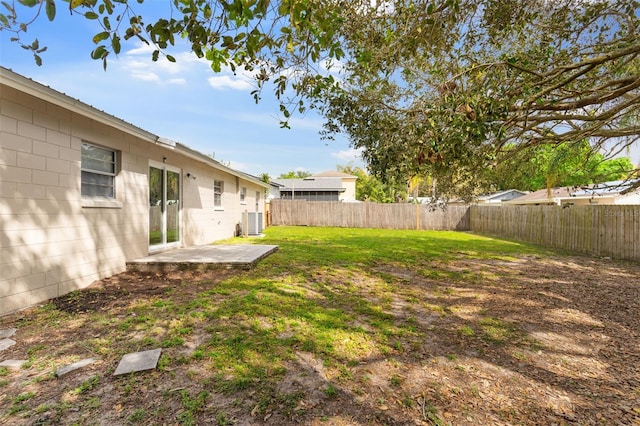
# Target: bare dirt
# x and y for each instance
(535, 341)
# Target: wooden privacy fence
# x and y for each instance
(610, 231)
(605, 230)
(367, 215)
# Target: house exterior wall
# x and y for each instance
(203, 222)
(631, 198)
(601, 200)
(52, 240)
(586, 201)
(349, 185)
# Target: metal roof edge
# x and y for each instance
(285, 189)
(197, 155)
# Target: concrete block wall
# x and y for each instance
(203, 221)
(52, 240)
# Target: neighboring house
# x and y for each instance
(326, 186)
(500, 196)
(274, 190)
(603, 193)
(493, 198)
(82, 192)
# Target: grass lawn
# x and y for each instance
(344, 327)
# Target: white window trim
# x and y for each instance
(101, 203)
(88, 201)
(221, 206)
(165, 168)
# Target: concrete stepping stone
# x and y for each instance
(8, 332)
(13, 364)
(72, 367)
(138, 361)
(6, 343)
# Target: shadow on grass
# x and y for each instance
(362, 327)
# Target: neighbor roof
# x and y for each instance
(500, 194)
(311, 184)
(605, 189)
(332, 173)
(542, 196)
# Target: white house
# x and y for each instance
(610, 193)
(325, 186)
(82, 192)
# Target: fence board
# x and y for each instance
(605, 230)
(368, 215)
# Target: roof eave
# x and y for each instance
(203, 158)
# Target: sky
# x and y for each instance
(184, 101)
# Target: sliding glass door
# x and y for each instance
(164, 206)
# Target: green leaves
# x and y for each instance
(100, 36)
(423, 87)
(99, 52)
(217, 58)
(50, 9)
(115, 44)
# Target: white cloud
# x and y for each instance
(241, 79)
(138, 64)
(179, 81)
(140, 49)
(348, 155)
(144, 75)
(227, 82)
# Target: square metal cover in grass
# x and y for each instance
(138, 361)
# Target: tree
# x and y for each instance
(295, 174)
(264, 177)
(370, 188)
(455, 88)
(283, 42)
(562, 165)
(442, 88)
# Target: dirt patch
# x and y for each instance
(529, 341)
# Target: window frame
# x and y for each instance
(85, 168)
(218, 202)
(243, 195)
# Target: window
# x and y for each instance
(243, 195)
(98, 171)
(218, 189)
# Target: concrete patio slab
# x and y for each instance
(7, 332)
(72, 367)
(6, 343)
(243, 256)
(13, 364)
(138, 361)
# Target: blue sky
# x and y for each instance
(185, 101)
